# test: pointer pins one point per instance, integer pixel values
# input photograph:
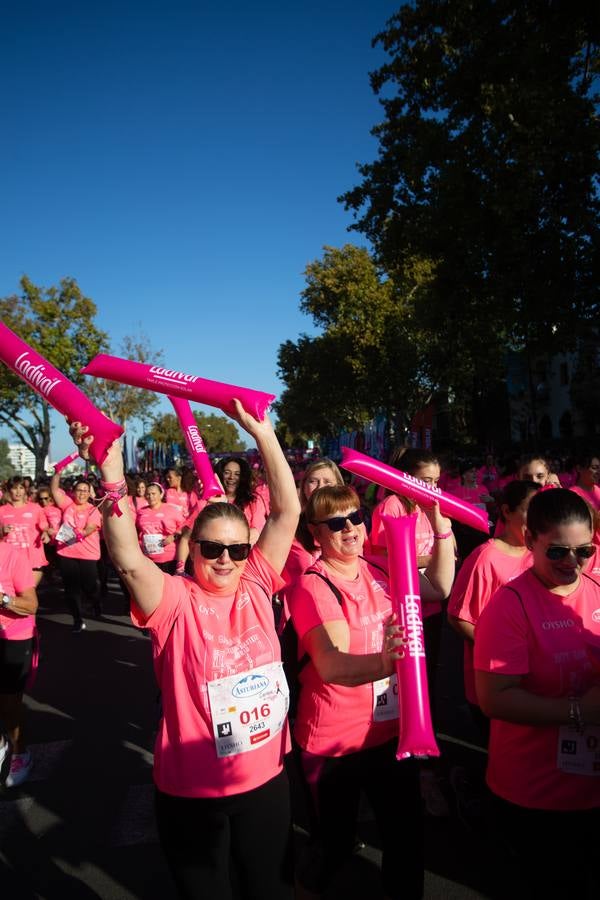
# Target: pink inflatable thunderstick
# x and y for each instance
(178, 384)
(195, 444)
(416, 737)
(58, 391)
(409, 486)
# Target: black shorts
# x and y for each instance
(15, 665)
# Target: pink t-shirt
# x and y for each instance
(262, 491)
(198, 637)
(136, 504)
(333, 719)
(26, 525)
(256, 513)
(15, 576)
(541, 637)
(54, 516)
(592, 497)
(484, 570)
(488, 478)
(394, 507)
(78, 516)
(471, 494)
(154, 524)
(182, 500)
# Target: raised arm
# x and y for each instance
(276, 537)
(143, 579)
(439, 574)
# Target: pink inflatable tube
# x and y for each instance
(59, 392)
(195, 444)
(178, 384)
(417, 490)
(59, 466)
(416, 736)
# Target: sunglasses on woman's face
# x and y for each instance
(213, 549)
(557, 552)
(43, 498)
(338, 523)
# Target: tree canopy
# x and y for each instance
(218, 432)
(488, 168)
(365, 360)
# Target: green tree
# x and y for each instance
(6, 468)
(122, 402)
(366, 359)
(219, 433)
(488, 166)
(58, 322)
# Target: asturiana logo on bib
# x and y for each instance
(171, 375)
(250, 685)
(596, 615)
(35, 375)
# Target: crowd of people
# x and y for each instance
(298, 544)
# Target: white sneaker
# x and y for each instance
(20, 767)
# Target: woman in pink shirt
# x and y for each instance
(486, 569)
(78, 541)
(588, 479)
(159, 528)
(235, 475)
(184, 500)
(347, 721)
(222, 797)
(18, 606)
(537, 678)
(24, 524)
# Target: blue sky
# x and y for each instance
(182, 160)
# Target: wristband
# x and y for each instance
(112, 494)
(180, 567)
(79, 536)
(575, 715)
(442, 537)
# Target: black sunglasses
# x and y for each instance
(213, 549)
(583, 552)
(338, 523)
(43, 498)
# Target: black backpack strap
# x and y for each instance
(375, 565)
(338, 596)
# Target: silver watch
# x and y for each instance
(5, 600)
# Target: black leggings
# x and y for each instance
(80, 579)
(204, 837)
(392, 788)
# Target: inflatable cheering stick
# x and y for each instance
(195, 444)
(416, 737)
(417, 490)
(178, 384)
(58, 391)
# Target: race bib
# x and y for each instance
(66, 535)
(248, 709)
(153, 544)
(579, 751)
(385, 699)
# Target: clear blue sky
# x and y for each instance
(181, 160)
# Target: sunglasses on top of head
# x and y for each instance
(557, 552)
(214, 549)
(338, 523)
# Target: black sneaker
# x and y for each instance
(78, 627)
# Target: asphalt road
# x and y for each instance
(82, 826)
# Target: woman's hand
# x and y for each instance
(254, 427)
(393, 644)
(440, 524)
(112, 468)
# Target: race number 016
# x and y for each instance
(246, 715)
